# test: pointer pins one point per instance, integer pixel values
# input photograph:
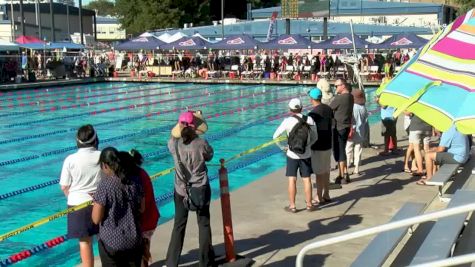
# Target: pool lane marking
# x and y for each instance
(126, 119)
(62, 92)
(84, 104)
(147, 131)
(62, 213)
(212, 137)
(130, 106)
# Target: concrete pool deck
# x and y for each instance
(271, 236)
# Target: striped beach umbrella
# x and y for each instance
(438, 84)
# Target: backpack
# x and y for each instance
(298, 136)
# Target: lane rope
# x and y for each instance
(93, 113)
(146, 132)
(212, 137)
(163, 197)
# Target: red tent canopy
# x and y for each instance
(28, 40)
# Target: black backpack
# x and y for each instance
(298, 136)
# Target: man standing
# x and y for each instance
(322, 149)
(79, 179)
(298, 161)
(342, 106)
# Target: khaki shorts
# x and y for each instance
(415, 137)
(321, 161)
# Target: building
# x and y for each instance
(109, 29)
(387, 13)
(66, 21)
(370, 18)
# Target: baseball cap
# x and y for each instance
(295, 103)
(315, 93)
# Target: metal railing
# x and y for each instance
(394, 225)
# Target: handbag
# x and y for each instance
(195, 198)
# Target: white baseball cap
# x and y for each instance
(295, 103)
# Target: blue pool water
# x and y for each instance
(37, 132)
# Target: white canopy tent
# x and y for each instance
(175, 37)
(164, 37)
(7, 46)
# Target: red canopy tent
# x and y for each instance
(28, 40)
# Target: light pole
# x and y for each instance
(222, 19)
(38, 19)
(51, 11)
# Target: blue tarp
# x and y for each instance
(342, 41)
(145, 43)
(187, 43)
(237, 42)
(294, 41)
(51, 46)
(405, 40)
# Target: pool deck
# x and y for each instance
(271, 236)
(62, 82)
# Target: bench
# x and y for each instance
(442, 176)
(439, 242)
(379, 249)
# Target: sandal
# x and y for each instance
(421, 174)
(407, 170)
(421, 182)
(291, 210)
(311, 208)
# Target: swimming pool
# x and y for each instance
(38, 131)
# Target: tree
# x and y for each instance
(465, 5)
(103, 7)
(265, 3)
(137, 16)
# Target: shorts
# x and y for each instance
(442, 158)
(304, 166)
(321, 161)
(340, 137)
(80, 223)
(415, 137)
(388, 128)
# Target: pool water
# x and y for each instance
(38, 127)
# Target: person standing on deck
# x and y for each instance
(342, 106)
(79, 179)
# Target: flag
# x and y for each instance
(271, 25)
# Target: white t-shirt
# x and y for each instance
(287, 125)
(82, 174)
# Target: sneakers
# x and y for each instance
(339, 180)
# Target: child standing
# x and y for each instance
(151, 214)
(118, 206)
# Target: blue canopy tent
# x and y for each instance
(146, 43)
(237, 42)
(285, 41)
(342, 41)
(405, 40)
(187, 43)
(51, 46)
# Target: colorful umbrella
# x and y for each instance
(438, 84)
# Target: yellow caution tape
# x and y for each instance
(43, 221)
(252, 150)
(84, 205)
